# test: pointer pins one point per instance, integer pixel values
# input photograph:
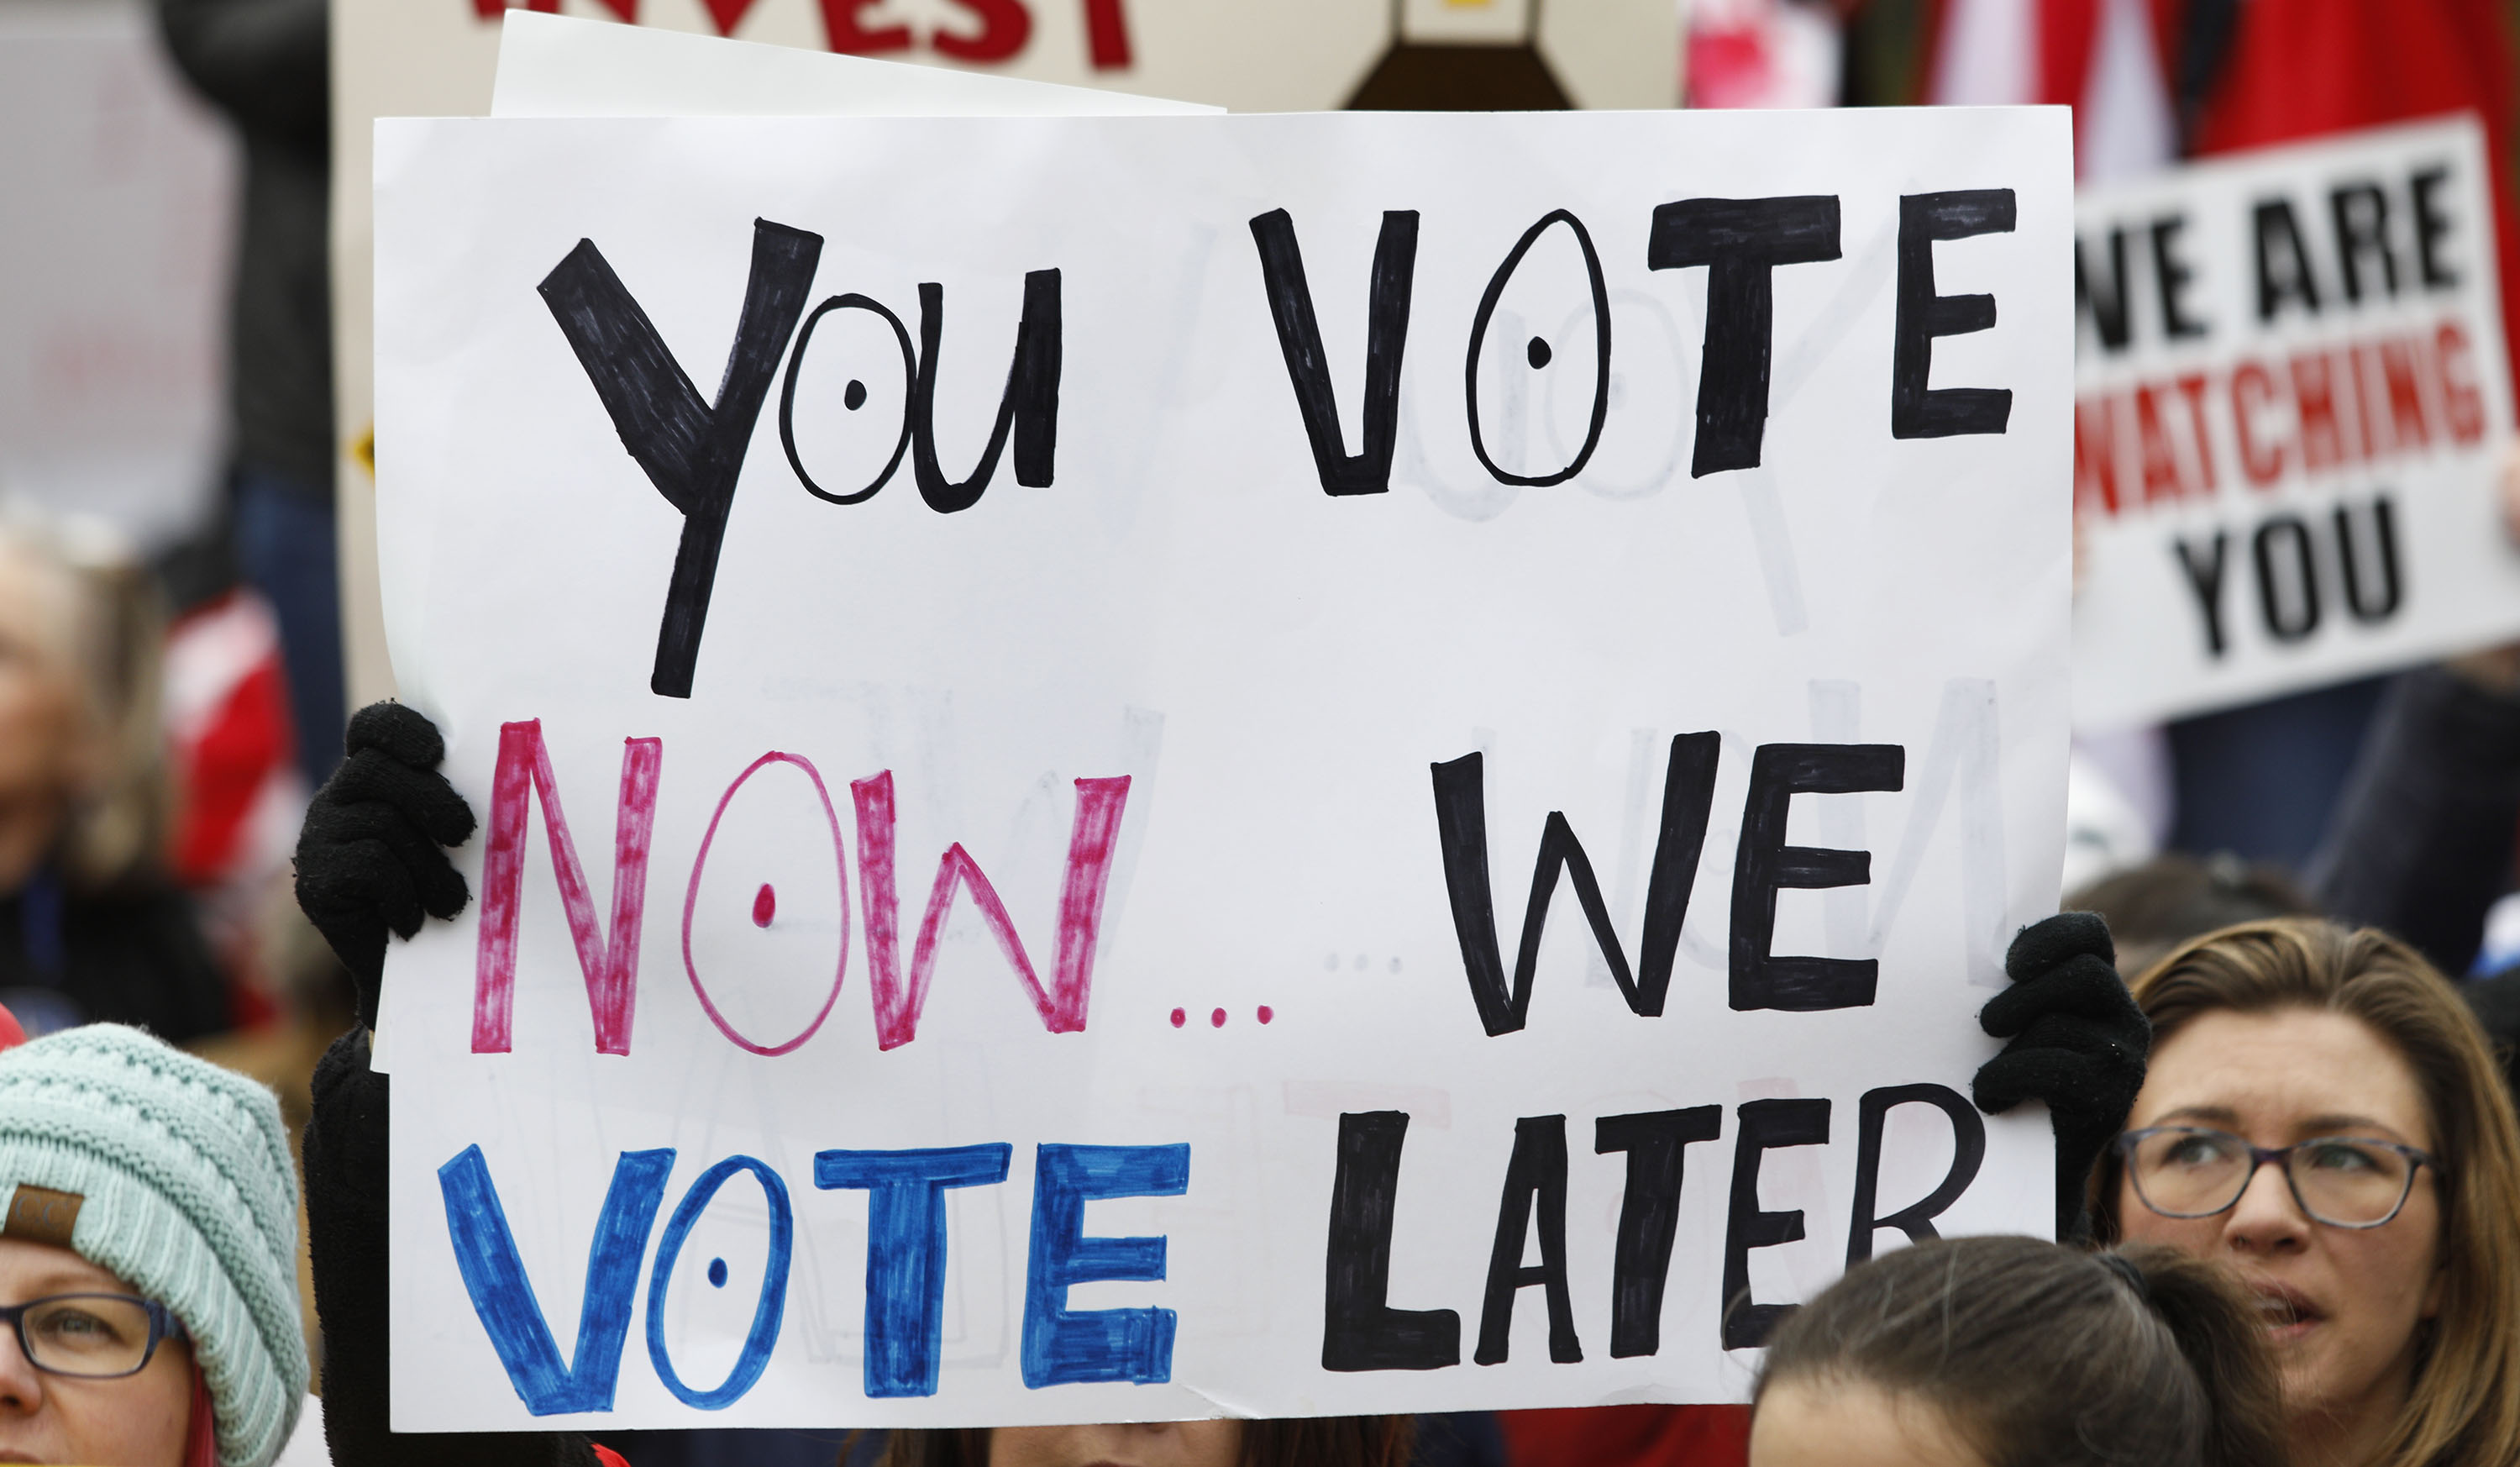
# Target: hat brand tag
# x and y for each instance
(40, 1215)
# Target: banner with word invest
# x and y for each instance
(2292, 401)
(1261, 765)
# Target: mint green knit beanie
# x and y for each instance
(187, 1193)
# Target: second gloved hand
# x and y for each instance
(2077, 1041)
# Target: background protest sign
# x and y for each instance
(1080, 694)
(436, 58)
(2292, 401)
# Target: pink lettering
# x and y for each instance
(1063, 1006)
(765, 904)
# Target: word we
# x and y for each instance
(608, 959)
(1361, 1331)
(1765, 866)
(905, 1269)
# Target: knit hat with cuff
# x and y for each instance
(174, 1176)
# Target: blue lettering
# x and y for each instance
(754, 1358)
(485, 1253)
(904, 1271)
(1064, 1345)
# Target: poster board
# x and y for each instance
(2292, 401)
(436, 58)
(1065, 951)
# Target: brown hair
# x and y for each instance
(2154, 907)
(1298, 1442)
(2464, 1411)
(2046, 1356)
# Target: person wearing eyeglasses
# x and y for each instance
(149, 1311)
(2322, 1114)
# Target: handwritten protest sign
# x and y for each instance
(2292, 401)
(1078, 629)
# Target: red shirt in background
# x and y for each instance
(2305, 67)
(1628, 1436)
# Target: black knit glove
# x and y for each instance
(368, 857)
(2078, 1042)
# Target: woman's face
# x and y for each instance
(133, 1421)
(2342, 1304)
(1830, 1423)
(1153, 1444)
(40, 701)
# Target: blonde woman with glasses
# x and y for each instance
(2322, 1114)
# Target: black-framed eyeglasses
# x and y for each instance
(92, 1336)
(2343, 1181)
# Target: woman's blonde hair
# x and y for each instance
(2464, 1411)
(105, 629)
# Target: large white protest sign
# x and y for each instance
(1262, 765)
(2293, 400)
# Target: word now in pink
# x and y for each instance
(608, 959)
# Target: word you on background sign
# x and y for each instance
(2291, 398)
(973, 490)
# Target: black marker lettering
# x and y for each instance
(1601, 350)
(1299, 339)
(1916, 1219)
(1538, 1168)
(1917, 411)
(1029, 404)
(1648, 1216)
(1765, 864)
(1360, 1330)
(787, 397)
(1462, 831)
(1741, 242)
(693, 450)
(1764, 1125)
